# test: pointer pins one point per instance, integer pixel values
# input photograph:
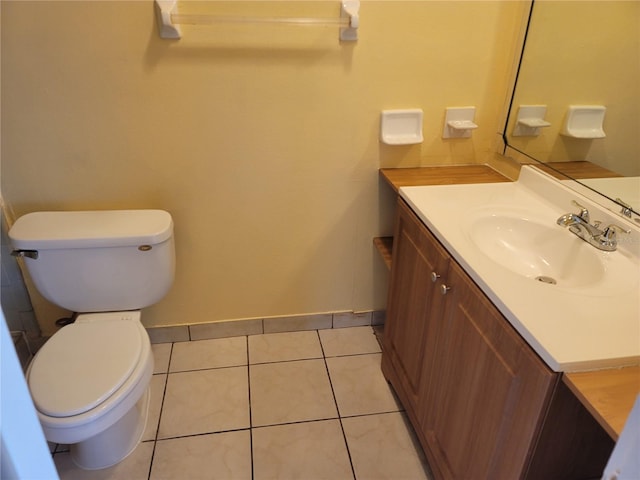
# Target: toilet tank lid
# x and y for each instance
(90, 229)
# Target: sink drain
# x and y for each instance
(545, 279)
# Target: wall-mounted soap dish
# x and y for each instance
(584, 121)
(530, 120)
(458, 122)
(401, 127)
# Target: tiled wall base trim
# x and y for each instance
(235, 328)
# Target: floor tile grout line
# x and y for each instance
(286, 361)
(326, 359)
(164, 392)
(315, 420)
(313, 358)
(203, 434)
(296, 422)
(250, 411)
(335, 400)
(386, 412)
(207, 368)
(273, 361)
(251, 426)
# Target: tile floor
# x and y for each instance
(300, 405)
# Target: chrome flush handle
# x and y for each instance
(25, 253)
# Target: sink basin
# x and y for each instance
(505, 236)
(545, 253)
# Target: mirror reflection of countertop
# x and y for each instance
(626, 189)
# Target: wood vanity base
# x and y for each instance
(481, 401)
(450, 390)
(572, 444)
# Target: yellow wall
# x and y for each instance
(261, 142)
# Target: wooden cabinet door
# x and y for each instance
(485, 403)
(412, 306)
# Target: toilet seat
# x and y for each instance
(76, 370)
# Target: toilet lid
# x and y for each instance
(82, 365)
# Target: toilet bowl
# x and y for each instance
(88, 398)
(90, 381)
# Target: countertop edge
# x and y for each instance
(440, 175)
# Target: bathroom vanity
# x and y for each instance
(482, 387)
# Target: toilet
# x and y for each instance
(90, 381)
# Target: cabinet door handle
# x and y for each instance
(434, 277)
(444, 289)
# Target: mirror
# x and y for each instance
(581, 53)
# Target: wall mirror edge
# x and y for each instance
(571, 159)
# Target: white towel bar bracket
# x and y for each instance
(169, 20)
(164, 9)
(350, 12)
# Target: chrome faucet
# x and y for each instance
(626, 208)
(579, 224)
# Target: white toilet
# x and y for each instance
(90, 381)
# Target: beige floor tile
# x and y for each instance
(161, 356)
(348, 341)
(155, 405)
(359, 385)
(290, 392)
(310, 450)
(205, 401)
(212, 353)
(278, 347)
(134, 467)
(216, 456)
(384, 447)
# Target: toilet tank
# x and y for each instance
(98, 261)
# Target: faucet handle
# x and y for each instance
(584, 213)
(626, 208)
(608, 237)
(610, 231)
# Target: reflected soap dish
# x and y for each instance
(584, 121)
(401, 127)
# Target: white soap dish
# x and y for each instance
(458, 122)
(584, 121)
(530, 121)
(401, 127)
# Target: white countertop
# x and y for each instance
(572, 329)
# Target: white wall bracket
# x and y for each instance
(530, 120)
(164, 9)
(351, 13)
(458, 122)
